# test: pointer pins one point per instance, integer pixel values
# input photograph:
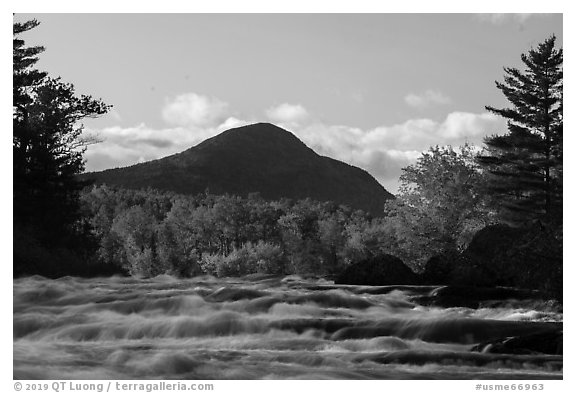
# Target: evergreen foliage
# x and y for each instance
(47, 156)
(525, 164)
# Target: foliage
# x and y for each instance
(47, 156)
(151, 232)
(24, 77)
(365, 238)
(148, 232)
(250, 258)
(440, 205)
(135, 231)
(525, 165)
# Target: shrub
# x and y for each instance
(237, 263)
(261, 257)
(208, 263)
(232, 265)
(141, 263)
(269, 258)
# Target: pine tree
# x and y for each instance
(55, 156)
(48, 152)
(525, 164)
(25, 78)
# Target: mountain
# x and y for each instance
(260, 158)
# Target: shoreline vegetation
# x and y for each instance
(464, 217)
(145, 233)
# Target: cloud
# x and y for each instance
(384, 151)
(192, 117)
(287, 113)
(466, 126)
(232, 122)
(500, 19)
(122, 146)
(191, 109)
(427, 98)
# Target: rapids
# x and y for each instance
(265, 328)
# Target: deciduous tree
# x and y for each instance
(440, 205)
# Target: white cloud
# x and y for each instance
(232, 122)
(460, 125)
(427, 98)
(191, 109)
(193, 118)
(384, 151)
(499, 19)
(122, 146)
(287, 113)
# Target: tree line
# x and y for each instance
(148, 232)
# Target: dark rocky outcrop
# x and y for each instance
(500, 255)
(529, 257)
(440, 269)
(384, 269)
(488, 255)
(482, 263)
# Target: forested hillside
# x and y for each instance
(260, 158)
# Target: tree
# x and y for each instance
(525, 164)
(48, 152)
(136, 229)
(54, 155)
(299, 236)
(439, 207)
(25, 79)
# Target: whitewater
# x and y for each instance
(264, 327)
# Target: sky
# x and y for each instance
(372, 90)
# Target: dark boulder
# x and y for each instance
(535, 260)
(384, 269)
(490, 241)
(441, 269)
(503, 256)
(483, 263)
(486, 259)
(528, 257)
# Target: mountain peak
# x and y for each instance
(260, 126)
(260, 157)
(259, 132)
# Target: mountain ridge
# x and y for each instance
(261, 158)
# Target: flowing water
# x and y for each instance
(264, 327)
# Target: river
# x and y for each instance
(265, 328)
